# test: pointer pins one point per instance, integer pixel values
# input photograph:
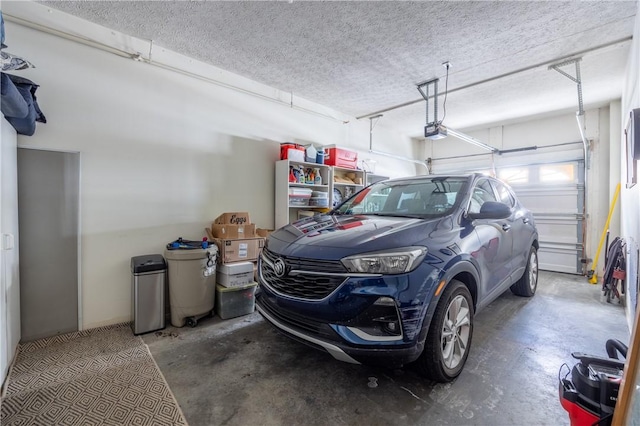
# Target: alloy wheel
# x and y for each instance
(455, 331)
(533, 271)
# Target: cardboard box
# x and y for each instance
(235, 274)
(233, 218)
(247, 249)
(232, 232)
(264, 233)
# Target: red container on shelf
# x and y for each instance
(340, 157)
(292, 151)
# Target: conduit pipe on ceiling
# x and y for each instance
(501, 76)
(138, 57)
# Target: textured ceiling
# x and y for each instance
(363, 57)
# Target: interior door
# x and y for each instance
(48, 205)
(9, 277)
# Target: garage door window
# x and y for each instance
(558, 173)
(514, 175)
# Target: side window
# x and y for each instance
(482, 192)
(505, 195)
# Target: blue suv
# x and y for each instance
(395, 274)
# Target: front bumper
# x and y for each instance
(391, 357)
(333, 349)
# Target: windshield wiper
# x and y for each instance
(413, 216)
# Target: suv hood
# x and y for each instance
(336, 236)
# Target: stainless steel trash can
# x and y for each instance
(147, 293)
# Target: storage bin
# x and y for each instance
(191, 287)
(319, 202)
(237, 274)
(300, 192)
(341, 157)
(298, 201)
(236, 301)
(319, 194)
(292, 151)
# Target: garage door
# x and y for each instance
(550, 183)
(554, 193)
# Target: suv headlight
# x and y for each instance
(397, 261)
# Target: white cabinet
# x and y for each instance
(345, 183)
(293, 195)
(296, 199)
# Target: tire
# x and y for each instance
(528, 283)
(449, 339)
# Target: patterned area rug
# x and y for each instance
(102, 376)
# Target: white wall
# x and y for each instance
(162, 154)
(630, 197)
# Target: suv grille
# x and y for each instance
(303, 286)
(298, 321)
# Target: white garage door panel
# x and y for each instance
(549, 198)
(557, 209)
(557, 258)
(557, 229)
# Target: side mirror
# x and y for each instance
(492, 210)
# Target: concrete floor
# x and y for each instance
(243, 372)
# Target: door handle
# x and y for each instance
(7, 242)
(525, 220)
(506, 226)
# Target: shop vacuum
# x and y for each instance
(589, 391)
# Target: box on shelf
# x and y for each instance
(348, 178)
(237, 250)
(302, 214)
(235, 302)
(233, 218)
(232, 232)
(264, 233)
(235, 274)
(292, 151)
(340, 157)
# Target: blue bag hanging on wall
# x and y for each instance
(12, 102)
(26, 125)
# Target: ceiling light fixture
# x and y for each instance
(467, 138)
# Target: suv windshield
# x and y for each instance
(428, 197)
